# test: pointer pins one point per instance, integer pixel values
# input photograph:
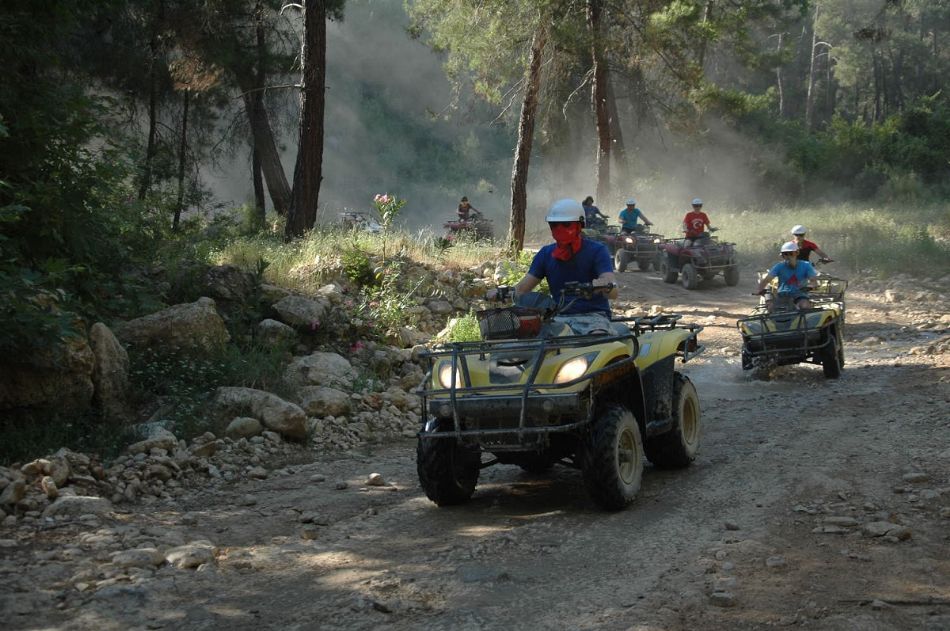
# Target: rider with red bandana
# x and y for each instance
(571, 258)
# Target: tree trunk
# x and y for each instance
(778, 79)
(616, 133)
(150, 147)
(519, 172)
(309, 169)
(266, 147)
(701, 56)
(260, 202)
(598, 95)
(182, 151)
(809, 101)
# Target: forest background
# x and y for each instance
(144, 135)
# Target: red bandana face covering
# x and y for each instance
(568, 237)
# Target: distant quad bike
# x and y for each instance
(533, 393)
(350, 220)
(697, 259)
(778, 333)
(476, 228)
(637, 247)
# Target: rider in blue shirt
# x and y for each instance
(629, 216)
(793, 276)
(592, 214)
(571, 258)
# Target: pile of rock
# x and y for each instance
(65, 484)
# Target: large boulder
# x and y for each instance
(58, 377)
(230, 283)
(110, 375)
(188, 327)
(301, 312)
(273, 332)
(320, 369)
(321, 401)
(276, 414)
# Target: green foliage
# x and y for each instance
(357, 267)
(185, 385)
(465, 329)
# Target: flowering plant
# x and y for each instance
(388, 207)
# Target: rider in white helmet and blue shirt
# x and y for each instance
(793, 277)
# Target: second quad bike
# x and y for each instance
(540, 388)
(778, 333)
(693, 260)
(627, 248)
(350, 220)
(477, 227)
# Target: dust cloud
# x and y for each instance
(394, 124)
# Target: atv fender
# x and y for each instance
(621, 384)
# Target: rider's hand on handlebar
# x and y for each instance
(499, 294)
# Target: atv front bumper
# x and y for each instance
(501, 414)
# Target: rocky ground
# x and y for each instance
(813, 503)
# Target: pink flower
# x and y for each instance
(314, 325)
(378, 198)
(356, 347)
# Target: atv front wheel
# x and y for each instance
(669, 274)
(690, 277)
(613, 462)
(731, 276)
(621, 258)
(448, 472)
(677, 448)
(831, 356)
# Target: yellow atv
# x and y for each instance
(778, 333)
(542, 388)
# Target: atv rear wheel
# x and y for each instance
(831, 356)
(643, 264)
(621, 258)
(669, 274)
(448, 472)
(690, 277)
(677, 448)
(613, 462)
(731, 275)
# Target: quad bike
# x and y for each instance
(477, 227)
(626, 248)
(533, 392)
(697, 259)
(359, 221)
(778, 333)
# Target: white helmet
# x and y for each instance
(631, 202)
(799, 230)
(789, 246)
(565, 210)
(697, 202)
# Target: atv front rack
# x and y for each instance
(667, 322)
(794, 341)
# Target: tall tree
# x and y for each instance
(598, 94)
(308, 172)
(529, 109)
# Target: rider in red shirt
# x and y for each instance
(695, 222)
(806, 247)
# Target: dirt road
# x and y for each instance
(777, 524)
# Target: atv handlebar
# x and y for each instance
(586, 290)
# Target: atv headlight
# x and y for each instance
(445, 376)
(571, 370)
(627, 240)
(658, 241)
